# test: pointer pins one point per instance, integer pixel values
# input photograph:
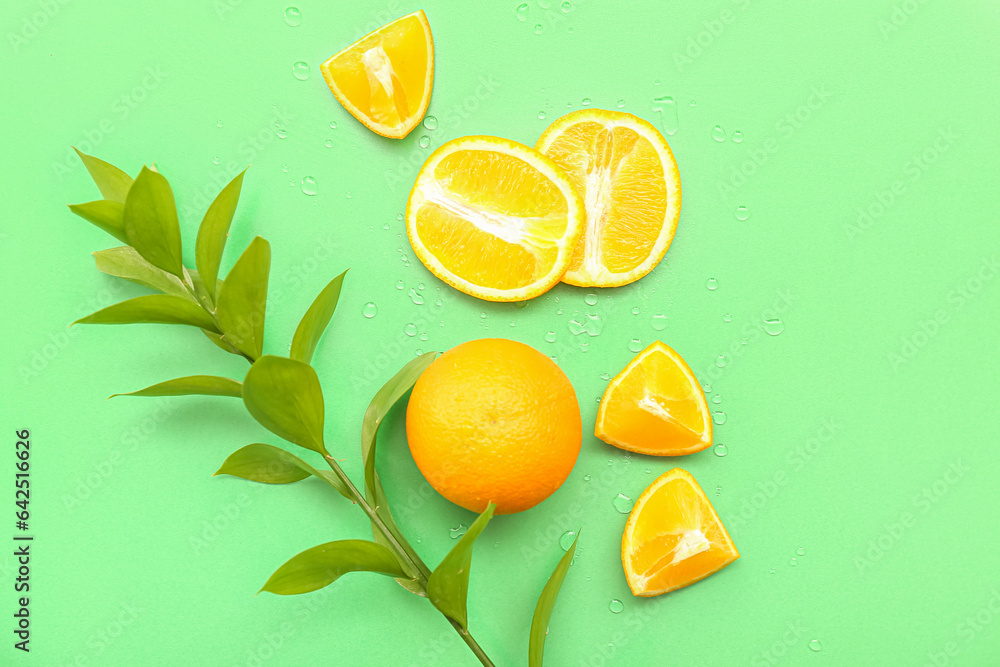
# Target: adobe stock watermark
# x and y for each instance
(105, 636)
(901, 14)
(123, 106)
(961, 293)
(784, 129)
(790, 637)
(921, 504)
(711, 30)
(35, 22)
(751, 331)
(966, 632)
(913, 170)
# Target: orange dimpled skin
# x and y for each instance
(494, 420)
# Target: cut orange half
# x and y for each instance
(384, 79)
(627, 176)
(655, 406)
(493, 218)
(673, 537)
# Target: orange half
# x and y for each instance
(385, 78)
(673, 537)
(655, 406)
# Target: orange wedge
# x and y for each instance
(673, 537)
(493, 218)
(627, 176)
(655, 406)
(384, 79)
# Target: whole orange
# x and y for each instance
(494, 420)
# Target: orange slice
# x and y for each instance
(655, 406)
(627, 176)
(673, 537)
(493, 218)
(384, 79)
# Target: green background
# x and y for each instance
(864, 434)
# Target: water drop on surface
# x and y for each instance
(622, 503)
(328, 143)
(793, 562)
(727, 318)
(737, 137)
(719, 417)
(718, 133)
(369, 310)
(649, 471)
(635, 310)
(309, 186)
(814, 645)
(800, 551)
(400, 284)
(590, 299)
(541, 115)
(720, 361)
(742, 213)
(410, 329)
(425, 141)
(707, 388)
(584, 346)
(333, 125)
(456, 533)
(399, 217)
(592, 325)
(284, 168)
(566, 541)
(218, 123)
(430, 123)
(522, 12)
(605, 376)
(300, 70)
(717, 399)
(482, 315)
(216, 160)
(348, 194)
(416, 298)
(550, 336)
(616, 606)
(659, 322)
(538, 28)
(668, 114)
(635, 345)
(621, 104)
(586, 478)
(281, 132)
(712, 284)
(774, 327)
(567, 7)
(772, 570)
(586, 101)
(720, 450)
(293, 16)
(718, 490)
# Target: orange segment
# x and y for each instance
(655, 406)
(626, 173)
(673, 537)
(493, 218)
(384, 79)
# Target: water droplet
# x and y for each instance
(659, 322)
(522, 12)
(400, 284)
(774, 327)
(513, 323)
(328, 143)
(717, 399)
(300, 70)
(718, 133)
(668, 114)
(309, 186)
(417, 352)
(793, 562)
(719, 417)
(416, 298)
(348, 194)
(550, 336)
(281, 132)
(737, 137)
(616, 606)
(399, 217)
(559, 311)
(293, 16)
(622, 503)
(586, 101)
(592, 325)
(482, 315)
(814, 645)
(720, 360)
(621, 104)
(369, 310)
(423, 337)
(410, 329)
(538, 28)
(727, 318)
(425, 141)
(649, 471)
(718, 490)
(333, 125)
(744, 340)
(742, 213)
(430, 123)
(635, 310)
(584, 346)
(520, 304)
(541, 115)
(567, 7)
(772, 570)
(635, 345)
(566, 541)
(458, 532)
(284, 168)
(800, 551)
(586, 478)
(707, 388)
(218, 123)
(712, 284)
(590, 299)
(720, 450)
(216, 160)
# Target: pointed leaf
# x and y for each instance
(111, 181)
(205, 385)
(285, 397)
(153, 308)
(315, 320)
(125, 262)
(322, 565)
(272, 465)
(448, 586)
(214, 230)
(105, 214)
(543, 610)
(220, 341)
(151, 222)
(243, 299)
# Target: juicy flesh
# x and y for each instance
(491, 218)
(621, 175)
(677, 539)
(654, 407)
(384, 74)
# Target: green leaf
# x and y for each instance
(205, 385)
(111, 181)
(272, 465)
(125, 262)
(315, 320)
(448, 586)
(151, 222)
(214, 230)
(322, 565)
(221, 342)
(243, 299)
(543, 610)
(153, 308)
(104, 213)
(285, 397)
